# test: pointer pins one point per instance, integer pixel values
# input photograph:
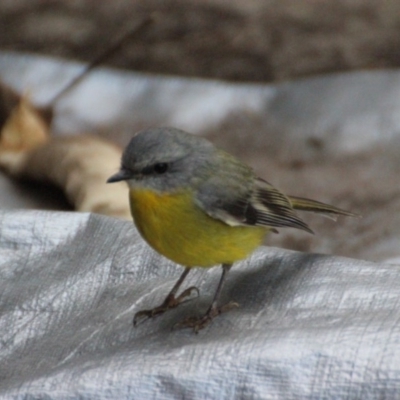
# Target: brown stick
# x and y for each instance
(112, 49)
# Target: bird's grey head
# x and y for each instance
(165, 159)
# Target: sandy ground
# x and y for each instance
(257, 40)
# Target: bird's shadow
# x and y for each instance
(271, 281)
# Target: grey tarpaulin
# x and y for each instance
(310, 326)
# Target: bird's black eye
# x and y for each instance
(160, 168)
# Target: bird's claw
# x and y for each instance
(200, 323)
(170, 302)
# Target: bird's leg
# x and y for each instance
(213, 310)
(170, 301)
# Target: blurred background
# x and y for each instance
(305, 91)
(252, 40)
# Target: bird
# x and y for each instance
(200, 206)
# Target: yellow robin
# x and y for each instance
(199, 206)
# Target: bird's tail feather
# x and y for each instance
(303, 204)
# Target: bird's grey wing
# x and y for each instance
(225, 194)
(250, 201)
(274, 208)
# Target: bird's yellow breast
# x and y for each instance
(178, 229)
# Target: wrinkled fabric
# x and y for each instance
(309, 325)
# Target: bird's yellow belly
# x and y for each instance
(175, 227)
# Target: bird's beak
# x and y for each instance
(121, 175)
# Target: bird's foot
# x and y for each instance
(200, 323)
(170, 302)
